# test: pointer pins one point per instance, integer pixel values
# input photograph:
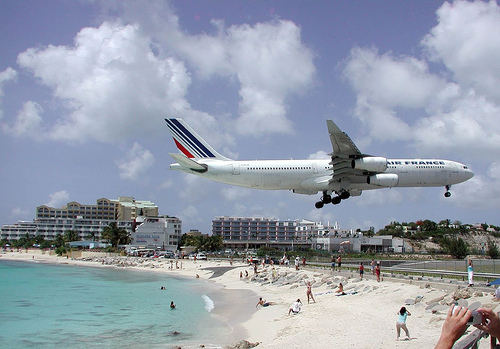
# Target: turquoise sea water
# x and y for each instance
(44, 305)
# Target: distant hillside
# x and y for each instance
(430, 237)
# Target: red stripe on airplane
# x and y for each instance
(183, 150)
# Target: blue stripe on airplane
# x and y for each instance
(182, 139)
(191, 140)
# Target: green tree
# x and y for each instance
(59, 240)
(213, 243)
(456, 247)
(92, 235)
(493, 251)
(429, 226)
(71, 235)
(115, 236)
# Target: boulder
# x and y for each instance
(244, 344)
(462, 293)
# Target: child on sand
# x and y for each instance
(401, 324)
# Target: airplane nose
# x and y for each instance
(467, 173)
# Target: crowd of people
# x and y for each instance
(454, 326)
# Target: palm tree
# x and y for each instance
(92, 235)
(116, 236)
(71, 235)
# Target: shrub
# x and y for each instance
(493, 251)
(456, 247)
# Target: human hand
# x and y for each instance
(453, 327)
(491, 322)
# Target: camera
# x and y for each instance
(476, 317)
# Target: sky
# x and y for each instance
(85, 87)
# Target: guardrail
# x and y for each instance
(488, 276)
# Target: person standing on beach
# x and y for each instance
(309, 292)
(470, 273)
(339, 262)
(361, 270)
(401, 323)
(372, 265)
(333, 263)
(377, 271)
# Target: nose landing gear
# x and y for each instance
(447, 194)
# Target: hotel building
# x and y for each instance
(90, 220)
(255, 232)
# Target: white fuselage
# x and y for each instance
(311, 176)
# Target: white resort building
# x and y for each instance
(139, 218)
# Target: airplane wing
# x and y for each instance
(343, 146)
(344, 151)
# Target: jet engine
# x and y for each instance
(383, 179)
(370, 163)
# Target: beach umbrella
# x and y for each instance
(494, 282)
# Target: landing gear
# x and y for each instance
(447, 194)
(327, 198)
(344, 195)
(336, 200)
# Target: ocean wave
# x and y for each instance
(209, 304)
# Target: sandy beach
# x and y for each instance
(363, 318)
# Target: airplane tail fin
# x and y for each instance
(189, 142)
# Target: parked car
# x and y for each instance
(201, 256)
(169, 254)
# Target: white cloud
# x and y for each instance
(19, 212)
(268, 59)
(111, 82)
(402, 99)
(122, 79)
(58, 199)
(28, 121)
(191, 214)
(8, 74)
(380, 197)
(471, 127)
(466, 40)
(319, 155)
(391, 81)
(480, 192)
(166, 184)
(234, 193)
(324, 215)
(136, 164)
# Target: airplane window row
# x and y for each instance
(419, 167)
(430, 166)
(279, 168)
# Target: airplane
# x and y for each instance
(347, 173)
